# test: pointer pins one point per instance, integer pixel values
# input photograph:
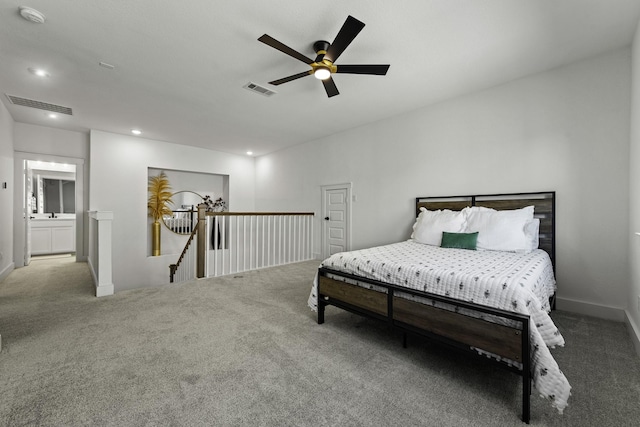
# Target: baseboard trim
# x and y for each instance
(93, 272)
(105, 290)
(590, 309)
(634, 332)
(8, 269)
(102, 290)
(3, 275)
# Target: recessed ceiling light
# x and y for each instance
(32, 15)
(136, 131)
(106, 65)
(249, 153)
(52, 116)
(38, 72)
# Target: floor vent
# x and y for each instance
(16, 100)
(259, 89)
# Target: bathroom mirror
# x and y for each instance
(55, 196)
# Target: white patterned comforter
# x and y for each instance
(510, 281)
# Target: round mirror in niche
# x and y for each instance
(185, 215)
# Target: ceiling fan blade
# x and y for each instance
(330, 87)
(379, 70)
(268, 40)
(347, 33)
(290, 78)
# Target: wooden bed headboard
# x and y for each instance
(544, 208)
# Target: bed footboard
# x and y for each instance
(458, 328)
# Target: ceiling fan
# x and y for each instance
(323, 66)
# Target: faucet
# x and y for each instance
(52, 215)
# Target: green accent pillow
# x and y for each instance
(459, 240)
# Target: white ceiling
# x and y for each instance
(180, 66)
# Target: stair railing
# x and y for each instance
(233, 242)
(173, 268)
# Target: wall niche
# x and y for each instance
(187, 187)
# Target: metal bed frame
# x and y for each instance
(451, 328)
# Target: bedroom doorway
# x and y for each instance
(336, 219)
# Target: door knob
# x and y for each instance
(326, 218)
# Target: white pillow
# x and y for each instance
(532, 231)
(499, 230)
(429, 225)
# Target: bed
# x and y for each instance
(492, 302)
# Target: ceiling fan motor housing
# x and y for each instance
(322, 68)
(321, 46)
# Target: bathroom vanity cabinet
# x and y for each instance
(53, 236)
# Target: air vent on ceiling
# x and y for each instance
(16, 100)
(259, 89)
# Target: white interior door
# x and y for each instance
(336, 208)
(28, 209)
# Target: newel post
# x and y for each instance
(202, 240)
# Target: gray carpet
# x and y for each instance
(247, 351)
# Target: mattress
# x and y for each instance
(516, 282)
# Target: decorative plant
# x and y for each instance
(159, 197)
(218, 206)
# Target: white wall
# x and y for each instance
(565, 130)
(633, 311)
(6, 194)
(46, 140)
(119, 166)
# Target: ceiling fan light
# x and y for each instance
(322, 73)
